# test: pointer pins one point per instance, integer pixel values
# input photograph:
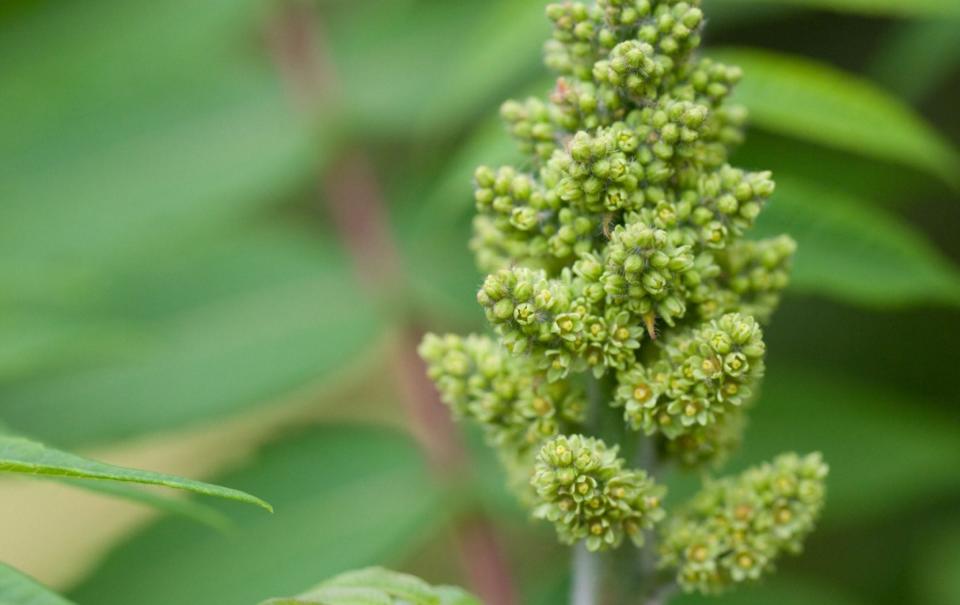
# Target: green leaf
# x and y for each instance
(179, 129)
(895, 8)
(18, 589)
(937, 567)
(451, 595)
(892, 186)
(186, 508)
(21, 455)
(122, 310)
(346, 497)
(855, 251)
(377, 586)
(918, 56)
(817, 102)
(435, 230)
(851, 423)
(228, 324)
(397, 585)
(478, 49)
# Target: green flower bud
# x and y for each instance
(584, 489)
(736, 528)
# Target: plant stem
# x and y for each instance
(586, 576)
(585, 586)
(648, 459)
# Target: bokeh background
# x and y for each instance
(224, 226)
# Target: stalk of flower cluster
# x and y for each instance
(586, 573)
(585, 581)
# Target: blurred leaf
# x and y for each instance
(900, 8)
(156, 127)
(18, 589)
(938, 567)
(20, 455)
(722, 14)
(434, 232)
(131, 134)
(814, 101)
(33, 340)
(367, 499)
(852, 424)
(918, 56)
(377, 586)
(856, 251)
(890, 185)
(238, 321)
(468, 54)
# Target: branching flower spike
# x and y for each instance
(628, 305)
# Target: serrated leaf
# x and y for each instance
(451, 595)
(366, 498)
(398, 585)
(336, 596)
(377, 586)
(817, 102)
(18, 589)
(896, 8)
(855, 251)
(21, 455)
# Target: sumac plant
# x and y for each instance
(628, 311)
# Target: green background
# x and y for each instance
(186, 197)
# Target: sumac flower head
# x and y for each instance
(627, 301)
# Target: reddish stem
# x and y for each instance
(359, 213)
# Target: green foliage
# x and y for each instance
(377, 586)
(167, 263)
(806, 99)
(797, 402)
(20, 455)
(918, 57)
(853, 251)
(18, 589)
(345, 496)
(914, 8)
(234, 320)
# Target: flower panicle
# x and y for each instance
(736, 528)
(618, 264)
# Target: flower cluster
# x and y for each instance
(754, 273)
(703, 374)
(588, 495)
(479, 381)
(734, 529)
(626, 302)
